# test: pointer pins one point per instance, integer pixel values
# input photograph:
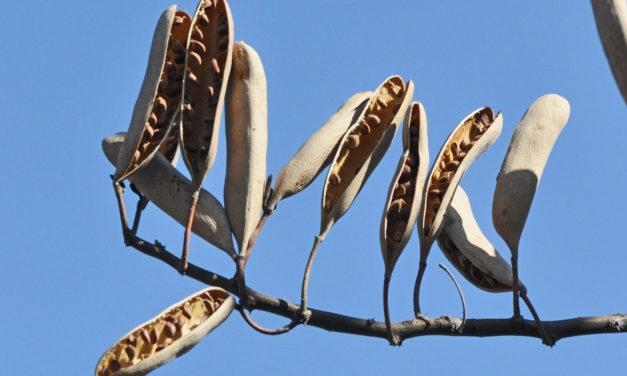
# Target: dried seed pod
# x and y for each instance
(151, 122)
(122, 359)
(354, 165)
(246, 125)
(477, 132)
(167, 188)
(201, 129)
(211, 70)
(416, 148)
(472, 254)
(611, 21)
(317, 152)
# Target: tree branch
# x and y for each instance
(423, 326)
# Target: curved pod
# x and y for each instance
(362, 147)
(155, 110)
(167, 188)
(524, 163)
(472, 254)
(317, 152)
(405, 193)
(168, 335)
(246, 143)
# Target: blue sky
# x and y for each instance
(71, 72)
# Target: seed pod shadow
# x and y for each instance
(170, 191)
(168, 335)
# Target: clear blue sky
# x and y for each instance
(70, 74)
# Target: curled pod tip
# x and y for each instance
(522, 168)
(168, 335)
(317, 152)
(156, 107)
(246, 125)
(467, 142)
(207, 67)
(611, 21)
(405, 193)
(362, 148)
(170, 191)
(467, 248)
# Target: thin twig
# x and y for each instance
(515, 280)
(141, 205)
(545, 337)
(394, 340)
(261, 329)
(421, 272)
(305, 287)
(255, 235)
(461, 295)
(188, 230)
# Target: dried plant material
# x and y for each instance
(318, 151)
(167, 188)
(611, 20)
(207, 69)
(404, 198)
(472, 254)
(354, 161)
(405, 193)
(524, 163)
(246, 142)
(167, 336)
(467, 142)
(156, 107)
(522, 169)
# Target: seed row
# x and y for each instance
(362, 139)
(454, 153)
(403, 197)
(206, 60)
(160, 332)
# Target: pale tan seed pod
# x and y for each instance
(352, 165)
(155, 111)
(167, 188)
(611, 20)
(467, 248)
(317, 152)
(246, 125)
(467, 142)
(168, 335)
(405, 193)
(524, 163)
(207, 68)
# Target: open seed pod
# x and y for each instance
(167, 336)
(405, 193)
(611, 20)
(467, 142)
(246, 143)
(472, 254)
(167, 188)
(155, 111)
(362, 147)
(207, 68)
(524, 163)
(317, 152)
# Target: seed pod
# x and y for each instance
(476, 133)
(463, 243)
(524, 162)
(353, 166)
(317, 152)
(171, 341)
(246, 126)
(611, 20)
(167, 188)
(155, 112)
(396, 229)
(210, 73)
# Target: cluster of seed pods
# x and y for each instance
(207, 67)
(168, 335)
(361, 145)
